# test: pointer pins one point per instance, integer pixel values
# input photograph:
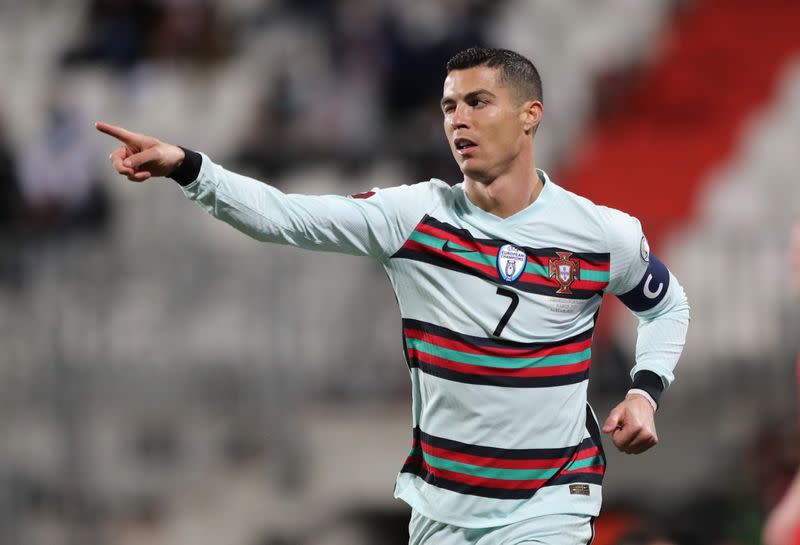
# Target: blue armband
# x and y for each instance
(651, 288)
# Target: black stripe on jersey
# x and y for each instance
(502, 453)
(594, 433)
(472, 490)
(590, 478)
(528, 287)
(498, 380)
(595, 258)
(417, 469)
(440, 331)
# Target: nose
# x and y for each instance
(459, 119)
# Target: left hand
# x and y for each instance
(632, 425)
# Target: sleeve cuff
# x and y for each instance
(650, 383)
(189, 169)
(645, 395)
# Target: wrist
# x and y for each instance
(650, 383)
(641, 393)
(180, 157)
(188, 169)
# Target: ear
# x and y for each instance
(531, 114)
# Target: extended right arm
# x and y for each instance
(375, 225)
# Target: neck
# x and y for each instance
(508, 193)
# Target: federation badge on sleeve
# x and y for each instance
(511, 262)
(644, 250)
(364, 195)
(565, 270)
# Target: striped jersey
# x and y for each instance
(497, 316)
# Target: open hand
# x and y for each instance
(632, 425)
(141, 157)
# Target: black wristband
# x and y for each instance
(650, 383)
(189, 169)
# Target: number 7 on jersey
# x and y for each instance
(511, 308)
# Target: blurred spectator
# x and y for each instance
(119, 32)
(9, 186)
(190, 29)
(60, 186)
(10, 204)
(124, 32)
(419, 50)
(270, 144)
(376, 93)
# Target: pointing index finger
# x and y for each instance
(119, 133)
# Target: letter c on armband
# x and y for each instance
(651, 288)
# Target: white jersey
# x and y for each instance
(498, 316)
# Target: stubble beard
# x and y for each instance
(477, 175)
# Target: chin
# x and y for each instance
(476, 174)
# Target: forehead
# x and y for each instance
(460, 82)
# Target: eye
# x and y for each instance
(477, 102)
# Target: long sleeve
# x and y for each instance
(662, 333)
(375, 223)
(645, 285)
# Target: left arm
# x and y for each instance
(653, 294)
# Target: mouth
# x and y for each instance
(465, 146)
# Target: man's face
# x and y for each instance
(486, 125)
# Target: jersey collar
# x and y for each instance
(471, 209)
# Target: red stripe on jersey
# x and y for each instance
(479, 481)
(596, 470)
(499, 352)
(469, 243)
(485, 269)
(554, 371)
(553, 463)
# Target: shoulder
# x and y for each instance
(601, 213)
(609, 223)
(422, 195)
(427, 189)
(434, 188)
(408, 201)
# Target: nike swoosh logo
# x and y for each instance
(451, 249)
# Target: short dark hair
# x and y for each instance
(515, 70)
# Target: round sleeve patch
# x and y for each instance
(364, 195)
(644, 250)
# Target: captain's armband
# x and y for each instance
(651, 289)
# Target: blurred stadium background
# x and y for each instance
(164, 380)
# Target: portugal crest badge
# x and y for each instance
(565, 270)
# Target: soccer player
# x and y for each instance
(499, 280)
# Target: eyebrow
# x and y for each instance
(471, 94)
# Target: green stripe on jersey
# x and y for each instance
(585, 274)
(535, 268)
(467, 253)
(495, 361)
(490, 260)
(594, 276)
(586, 462)
(489, 472)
